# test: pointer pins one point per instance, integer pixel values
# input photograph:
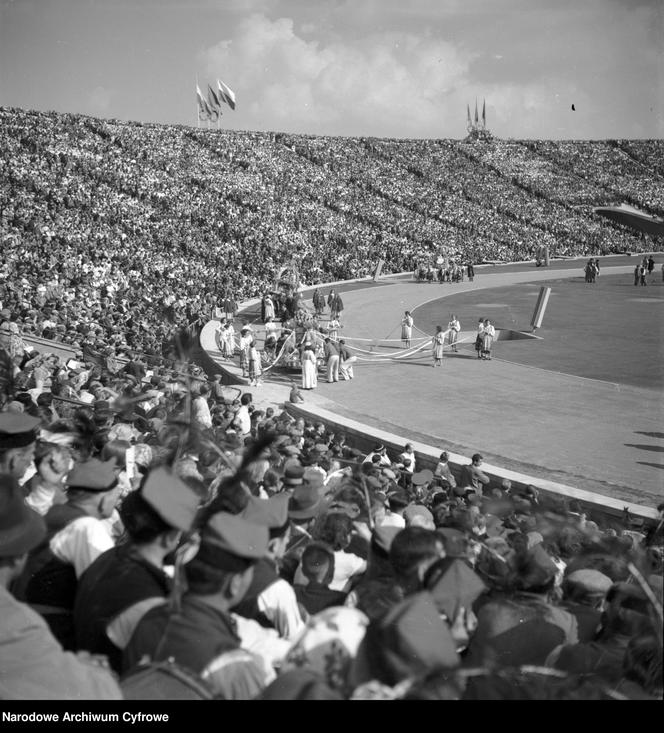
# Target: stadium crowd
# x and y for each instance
(217, 212)
(150, 513)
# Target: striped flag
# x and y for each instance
(202, 104)
(226, 94)
(213, 99)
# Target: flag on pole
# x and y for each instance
(202, 111)
(226, 94)
(208, 110)
(213, 99)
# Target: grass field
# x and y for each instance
(610, 331)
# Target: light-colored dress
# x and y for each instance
(309, 375)
(438, 343)
(406, 328)
(454, 327)
(334, 327)
(488, 335)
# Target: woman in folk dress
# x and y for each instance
(333, 328)
(255, 370)
(407, 329)
(438, 342)
(309, 368)
(479, 338)
(488, 335)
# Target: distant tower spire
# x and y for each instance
(484, 114)
(477, 119)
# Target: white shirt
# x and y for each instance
(393, 520)
(346, 566)
(279, 605)
(411, 458)
(81, 542)
(384, 460)
(202, 412)
(243, 420)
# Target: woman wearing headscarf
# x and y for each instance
(407, 329)
(438, 343)
(488, 335)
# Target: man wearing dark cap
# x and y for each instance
(584, 592)
(33, 665)
(270, 600)
(397, 502)
(125, 582)
(18, 434)
(77, 534)
(201, 635)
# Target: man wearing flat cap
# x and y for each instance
(125, 582)
(76, 535)
(201, 636)
(584, 592)
(33, 665)
(18, 434)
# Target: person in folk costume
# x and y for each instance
(219, 334)
(479, 339)
(245, 340)
(309, 367)
(228, 340)
(488, 335)
(333, 329)
(338, 306)
(267, 308)
(331, 296)
(319, 302)
(230, 306)
(453, 327)
(438, 342)
(407, 329)
(254, 358)
(271, 332)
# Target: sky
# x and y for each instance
(384, 68)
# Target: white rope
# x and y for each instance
(280, 354)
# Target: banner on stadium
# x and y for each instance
(540, 307)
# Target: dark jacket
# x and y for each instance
(116, 580)
(316, 597)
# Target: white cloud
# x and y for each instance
(389, 83)
(396, 70)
